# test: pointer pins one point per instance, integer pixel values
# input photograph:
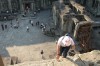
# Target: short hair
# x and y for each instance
(67, 34)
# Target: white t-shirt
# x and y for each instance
(31, 22)
(65, 41)
(27, 27)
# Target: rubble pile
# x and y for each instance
(87, 59)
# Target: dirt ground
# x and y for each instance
(33, 52)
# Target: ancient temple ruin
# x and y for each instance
(71, 18)
(14, 7)
(21, 5)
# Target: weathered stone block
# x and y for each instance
(1, 61)
(14, 60)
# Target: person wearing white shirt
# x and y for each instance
(31, 22)
(27, 29)
(63, 45)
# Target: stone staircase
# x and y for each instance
(86, 59)
(52, 62)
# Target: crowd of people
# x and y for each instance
(16, 25)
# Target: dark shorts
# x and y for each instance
(64, 50)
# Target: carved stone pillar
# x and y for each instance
(9, 5)
(39, 4)
(0, 7)
(21, 6)
(42, 3)
(32, 6)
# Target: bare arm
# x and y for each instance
(58, 49)
(58, 52)
(73, 47)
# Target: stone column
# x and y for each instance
(21, 6)
(46, 3)
(39, 4)
(0, 7)
(9, 5)
(42, 3)
(32, 6)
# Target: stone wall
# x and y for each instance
(19, 5)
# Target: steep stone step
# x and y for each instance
(53, 62)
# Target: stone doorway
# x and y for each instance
(27, 6)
